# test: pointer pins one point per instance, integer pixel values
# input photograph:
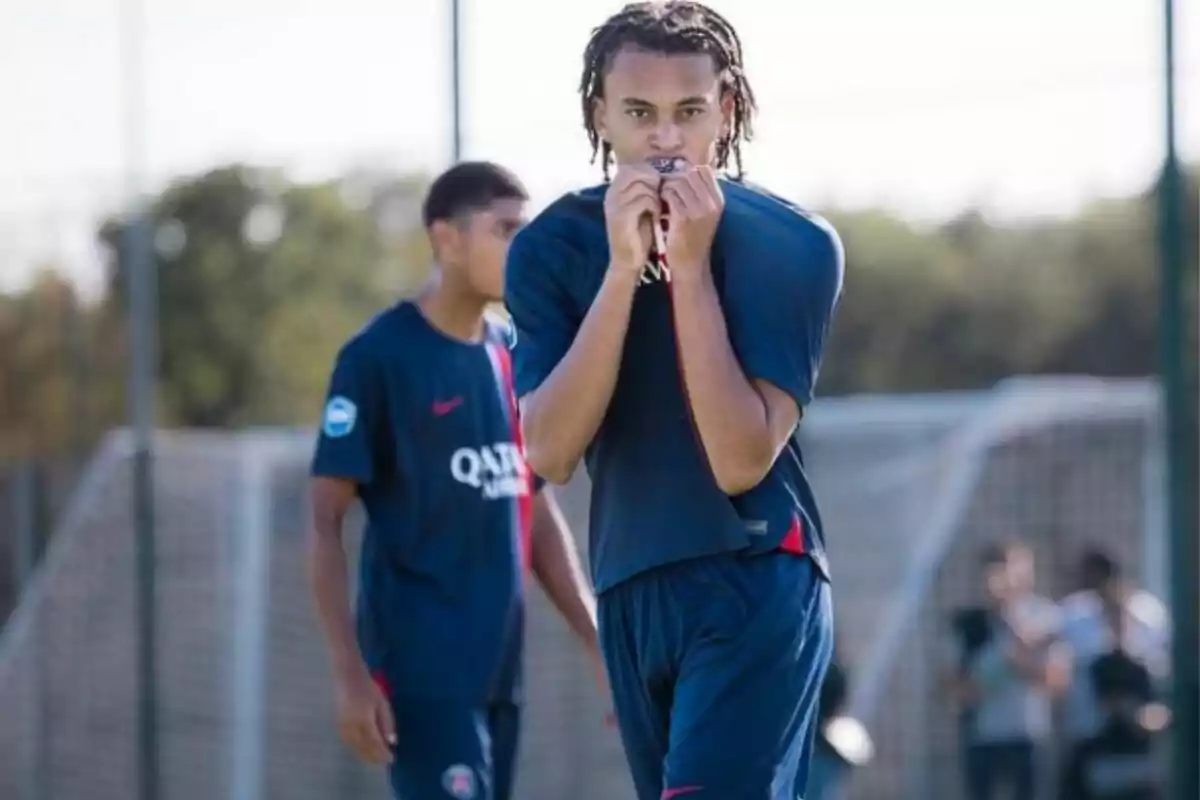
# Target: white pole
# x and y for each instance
(251, 598)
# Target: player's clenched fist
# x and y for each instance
(365, 717)
(631, 209)
(694, 203)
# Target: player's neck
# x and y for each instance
(457, 314)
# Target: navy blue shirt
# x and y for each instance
(426, 426)
(778, 272)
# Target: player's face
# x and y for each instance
(996, 582)
(657, 105)
(488, 235)
(1021, 576)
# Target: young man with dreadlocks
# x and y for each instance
(679, 371)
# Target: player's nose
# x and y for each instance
(667, 139)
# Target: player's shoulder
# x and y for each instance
(580, 207)
(379, 334)
(744, 199)
(755, 215)
(568, 223)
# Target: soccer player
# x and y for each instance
(421, 426)
(680, 375)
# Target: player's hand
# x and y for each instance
(601, 674)
(694, 204)
(632, 207)
(365, 716)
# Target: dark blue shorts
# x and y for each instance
(716, 666)
(448, 749)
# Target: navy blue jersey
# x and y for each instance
(426, 426)
(778, 272)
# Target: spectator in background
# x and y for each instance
(1009, 664)
(1106, 616)
(1119, 762)
(842, 742)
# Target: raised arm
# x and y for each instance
(566, 368)
(749, 370)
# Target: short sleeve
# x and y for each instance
(352, 420)
(1052, 620)
(543, 323)
(779, 309)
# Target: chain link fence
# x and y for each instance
(911, 487)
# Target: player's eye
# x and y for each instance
(638, 113)
(691, 113)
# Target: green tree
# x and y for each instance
(50, 402)
(969, 302)
(260, 280)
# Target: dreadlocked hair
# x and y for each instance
(671, 27)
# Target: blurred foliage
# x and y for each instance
(966, 303)
(55, 354)
(261, 279)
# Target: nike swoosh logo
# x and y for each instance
(443, 407)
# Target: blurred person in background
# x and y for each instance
(842, 742)
(421, 426)
(1009, 665)
(1108, 615)
(1120, 760)
(670, 329)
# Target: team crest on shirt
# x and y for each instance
(340, 416)
(496, 470)
(459, 782)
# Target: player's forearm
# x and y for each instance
(331, 595)
(728, 411)
(557, 567)
(562, 416)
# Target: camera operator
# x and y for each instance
(842, 742)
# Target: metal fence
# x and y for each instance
(911, 486)
(1059, 465)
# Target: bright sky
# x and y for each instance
(923, 106)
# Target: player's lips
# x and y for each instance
(667, 164)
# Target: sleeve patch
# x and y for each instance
(340, 416)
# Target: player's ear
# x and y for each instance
(445, 238)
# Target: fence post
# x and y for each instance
(1176, 370)
(25, 503)
(251, 623)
